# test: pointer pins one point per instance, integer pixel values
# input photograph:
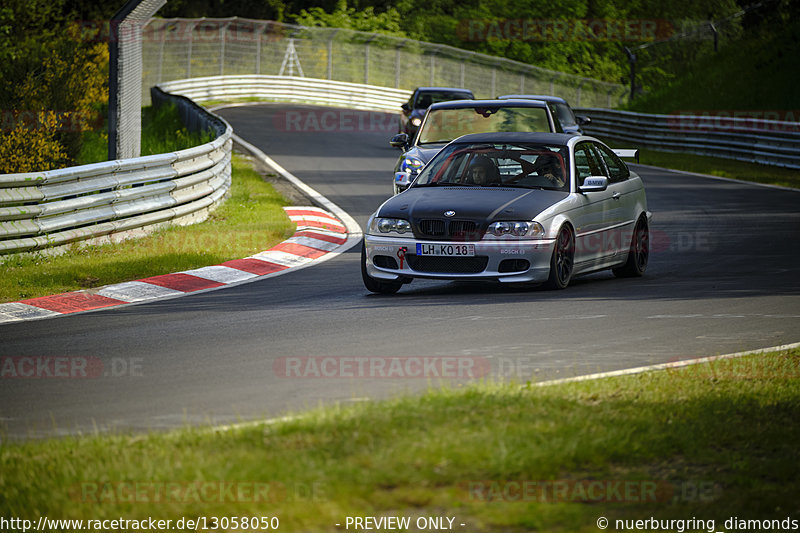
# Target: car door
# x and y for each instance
(624, 191)
(592, 218)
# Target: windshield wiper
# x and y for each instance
(433, 184)
(519, 186)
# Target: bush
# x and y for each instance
(53, 78)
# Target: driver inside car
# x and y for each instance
(482, 171)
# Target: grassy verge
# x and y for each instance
(711, 441)
(251, 220)
(162, 132)
(715, 166)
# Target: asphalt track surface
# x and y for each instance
(724, 277)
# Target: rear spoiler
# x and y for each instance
(628, 153)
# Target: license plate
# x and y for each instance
(447, 250)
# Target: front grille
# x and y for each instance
(447, 265)
(432, 228)
(458, 230)
(461, 229)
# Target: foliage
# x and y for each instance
(365, 19)
(25, 149)
(53, 76)
(757, 72)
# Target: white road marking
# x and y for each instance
(135, 291)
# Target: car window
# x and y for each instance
(565, 115)
(617, 169)
(444, 125)
(587, 162)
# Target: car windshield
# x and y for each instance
(425, 99)
(444, 125)
(523, 165)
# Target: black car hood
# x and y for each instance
(482, 205)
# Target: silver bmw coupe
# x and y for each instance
(533, 208)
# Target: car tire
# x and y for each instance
(562, 263)
(374, 285)
(639, 252)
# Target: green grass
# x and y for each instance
(708, 441)
(251, 220)
(715, 166)
(162, 132)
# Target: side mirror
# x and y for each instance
(400, 141)
(583, 120)
(406, 108)
(594, 184)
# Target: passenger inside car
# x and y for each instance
(549, 168)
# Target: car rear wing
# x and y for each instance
(628, 153)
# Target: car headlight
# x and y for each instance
(518, 229)
(411, 165)
(416, 121)
(389, 225)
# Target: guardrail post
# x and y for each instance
(716, 36)
(330, 54)
(632, 63)
(366, 59)
(161, 52)
(578, 98)
(189, 50)
(259, 30)
(222, 30)
(366, 64)
(397, 64)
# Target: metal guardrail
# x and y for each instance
(290, 89)
(57, 207)
(743, 139)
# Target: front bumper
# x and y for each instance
(505, 261)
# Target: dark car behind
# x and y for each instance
(419, 149)
(571, 122)
(422, 98)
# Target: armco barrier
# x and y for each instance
(57, 207)
(290, 89)
(742, 139)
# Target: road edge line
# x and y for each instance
(665, 366)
